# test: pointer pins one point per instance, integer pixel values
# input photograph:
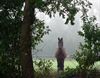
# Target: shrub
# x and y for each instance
(43, 67)
(70, 73)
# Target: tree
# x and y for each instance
(90, 49)
(50, 7)
(10, 26)
(10, 21)
(25, 41)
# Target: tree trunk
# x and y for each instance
(26, 41)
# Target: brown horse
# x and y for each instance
(60, 55)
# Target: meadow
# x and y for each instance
(67, 63)
(71, 63)
(47, 67)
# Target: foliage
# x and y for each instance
(65, 8)
(38, 31)
(43, 68)
(10, 21)
(91, 47)
(49, 7)
(10, 24)
(69, 73)
(11, 17)
(92, 73)
(88, 52)
(75, 73)
(91, 34)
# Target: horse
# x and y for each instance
(60, 55)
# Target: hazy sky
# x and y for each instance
(68, 32)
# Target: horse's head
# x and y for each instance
(60, 42)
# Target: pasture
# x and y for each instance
(47, 67)
(68, 63)
(71, 63)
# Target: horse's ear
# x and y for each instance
(62, 39)
(58, 38)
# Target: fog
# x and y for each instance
(58, 29)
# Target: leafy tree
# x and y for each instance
(10, 22)
(50, 7)
(11, 19)
(43, 67)
(10, 26)
(89, 51)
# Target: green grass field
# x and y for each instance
(67, 63)
(53, 70)
(71, 64)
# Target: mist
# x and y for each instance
(71, 39)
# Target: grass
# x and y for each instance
(71, 63)
(67, 63)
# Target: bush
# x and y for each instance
(75, 73)
(43, 68)
(70, 73)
